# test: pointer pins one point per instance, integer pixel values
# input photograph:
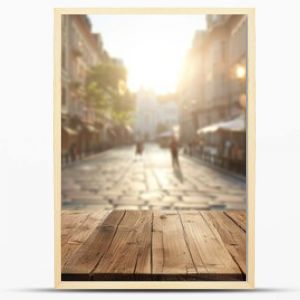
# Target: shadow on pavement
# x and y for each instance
(178, 173)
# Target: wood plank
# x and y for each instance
(170, 252)
(69, 224)
(210, 256)
(239, 217)
(81, 264)
(233, 236)
(144, 241)
(157, 244)
(130, 251)
(81, 234)
(154, 245)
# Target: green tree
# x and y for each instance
(106, 89)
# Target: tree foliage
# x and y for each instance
(106, 89)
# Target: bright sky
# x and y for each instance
(152, 47)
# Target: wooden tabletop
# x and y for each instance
(153, 245)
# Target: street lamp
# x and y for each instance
(240, 72)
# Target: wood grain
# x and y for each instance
(207, 250)
(69, 225)
(239, 217)
(170, 252)
(130, 250)
(81, 234)
(154, 245)
(81, 264)
(232, 235)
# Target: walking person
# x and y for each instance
(139, 148)
(174, 151)
(73, 152)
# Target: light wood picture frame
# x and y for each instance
(250, 158)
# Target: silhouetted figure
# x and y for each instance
(191, 148)
(73, 152)
(139, 148)
(174, 151)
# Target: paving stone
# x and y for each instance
(170, 199)
(160, 206)
(236, 206)
(66, 201)
(82, 195)
(144, 207)
(116, 178)
(130, 193)
(195, 206)
(217, 206)
(90, 201)
(112, 199)
(176, 193)
(198, 191)
(110, 193)
(196, 199)
(89, 207)
(236, 192)
(99, 206)
(129, 200)
(70, 187)
(229, 198)
(154, 195)
(127, 207)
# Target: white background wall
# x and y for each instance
(26, 169)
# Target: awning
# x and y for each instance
(70, 131)
(235, 125)
(210, 128)
(91, 128)
(129, 129)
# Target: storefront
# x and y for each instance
(224, 144)
(68, 144)
(90, 138)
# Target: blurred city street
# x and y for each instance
(118, 179)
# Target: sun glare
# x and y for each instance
(240, 72)
(155, 62)
(157, 72)
(152, 47)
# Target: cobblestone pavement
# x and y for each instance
(117, 179)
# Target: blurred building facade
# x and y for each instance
(192, 87)
(168, 114)
(81, 50)
(210, 90)
(84, 129)
(146, 115)
(152, 114)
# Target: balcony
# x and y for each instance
(77, 51)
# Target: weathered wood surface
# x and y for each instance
(154, 245)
